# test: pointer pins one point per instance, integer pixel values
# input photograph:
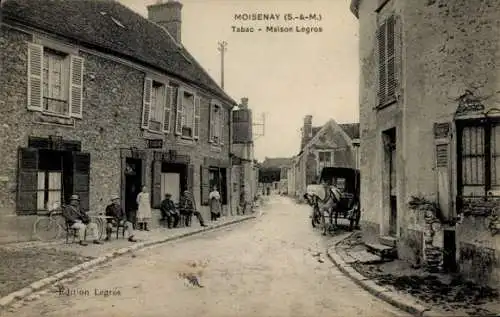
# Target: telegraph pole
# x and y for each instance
(222, 49)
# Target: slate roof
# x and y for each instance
(276, 162)
(92, 23)
(351, 129)
(315, 130)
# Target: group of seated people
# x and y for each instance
(172, 213)
(80, 221)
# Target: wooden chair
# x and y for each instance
(118, 227)
(72, 232)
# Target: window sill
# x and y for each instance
(54, 119)
(386, 103)
(154, 133)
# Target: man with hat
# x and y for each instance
(119, 218)
(169, 212)
(188, 208)
(79, 220)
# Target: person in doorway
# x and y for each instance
(143, 209)
(119, 218)
(169, 212)
(80, 221)
(187, 207)
(215, 204)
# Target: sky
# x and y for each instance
(285, 76)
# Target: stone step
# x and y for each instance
(365, 257)
(388, 241)
(381, 250)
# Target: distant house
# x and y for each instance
(331, 145)
(273, 173)
(102, 104)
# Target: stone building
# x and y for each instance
(429, 120)
(331, 145)
(103, 105)
(273, 173)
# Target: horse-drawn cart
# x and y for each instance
(336, 197)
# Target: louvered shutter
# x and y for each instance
(179, 120)
(76, 87)
(81, 178)
(391, 57)
(146, 102)
(204, 184)
(156, 186)
(381, 59)
(211, 122)
(398, 51)
(35, 78)
(27, 181)
(197, 106)
(222, 124)
(169, 102)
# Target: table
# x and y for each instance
(100, 220)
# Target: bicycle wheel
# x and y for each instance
(101, 228)
(45, 229)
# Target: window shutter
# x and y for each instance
(169, 102)
(398, 51)
(27, 181)
(204, 184)
(76, 87)
(156, 186)
(81, 178)
(146, 102)
(197, 101)
(179, 111)
(35, 78)
(222, 124)
(381, 59)
(390, 57)
(211, 121)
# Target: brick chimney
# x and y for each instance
(167, 14)
(244, 103)
(306, 131)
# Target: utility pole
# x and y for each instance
(222, 49)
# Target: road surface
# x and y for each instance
(266, 267)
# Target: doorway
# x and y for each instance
(133, 184)
(389, 138)
(172, 180)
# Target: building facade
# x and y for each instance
(101, 106)
(429, 120)
(332, 145)
(273, 174)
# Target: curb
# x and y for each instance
(406, 304)
(35, 286)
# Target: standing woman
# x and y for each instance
(144, 209)
(215, 204)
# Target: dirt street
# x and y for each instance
(265, 267)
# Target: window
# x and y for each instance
(49, 189)
(188, 115)
(217, 123)
(388, 60)
(157, 103)
(55, 81)
(325, 159)
(479, 158)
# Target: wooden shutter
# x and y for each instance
(398, 51)
(35, 78)
(27, 181)
(391, 57)
(196, 123)
(222, 124)
(381, 60)
(76, 87)
(146, 102)
(204, 184)
(179, 112)
(81, 178)
(169, 102)
(156, 185)
(211, 122)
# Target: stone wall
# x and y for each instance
(112, 111)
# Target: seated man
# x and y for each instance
(187, 206)
(169, 212)
(79, 220)
(119, 218)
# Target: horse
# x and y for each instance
(323, 198)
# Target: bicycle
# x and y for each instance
(50, 225)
